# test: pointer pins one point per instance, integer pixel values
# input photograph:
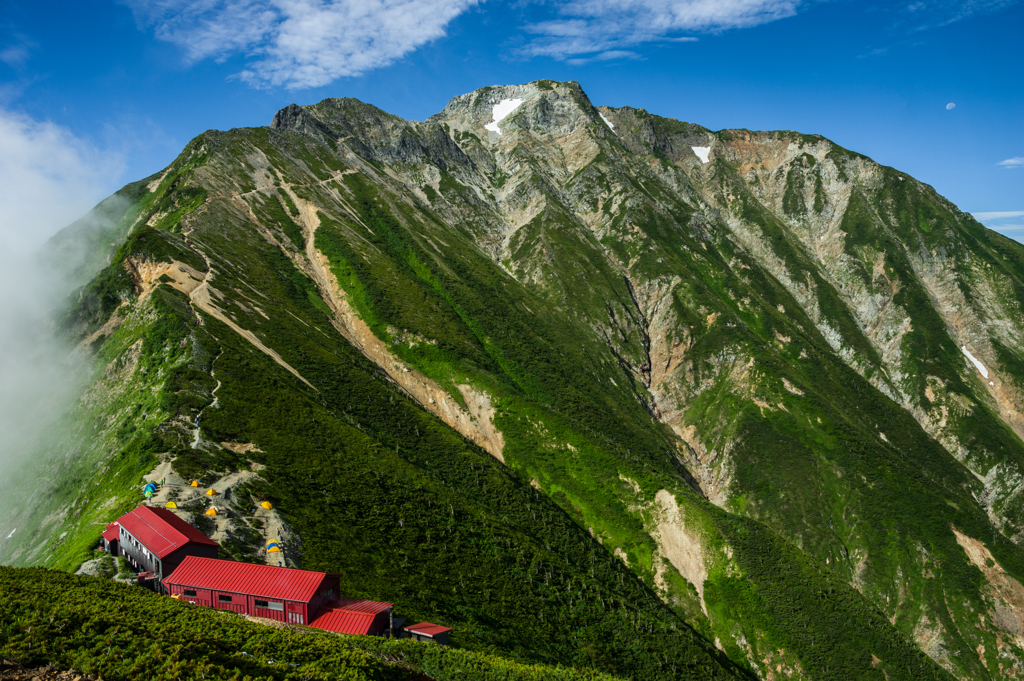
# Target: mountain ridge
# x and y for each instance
(644, 332)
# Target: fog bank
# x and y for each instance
(48, 178)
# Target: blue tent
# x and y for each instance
(151, 487)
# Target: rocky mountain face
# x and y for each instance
(593, 386)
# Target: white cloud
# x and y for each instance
(602, 27)
(951, 105)
(48, 178)
(1015, 162)
(997, 215)
(299, 43)
(309, 43)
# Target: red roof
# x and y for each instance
(360, 605)
(343, 621)
(265, 581)
(112, 531)
(428, 629)
(349, 615)
(161, 531)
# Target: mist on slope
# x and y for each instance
(48, 178)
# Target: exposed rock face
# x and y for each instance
(739, 359)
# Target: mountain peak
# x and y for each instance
(543, 106)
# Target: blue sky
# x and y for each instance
(95, 95)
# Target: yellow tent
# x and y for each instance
(170, 504)
(210, 492)
(211, 511)
(266, 505)
(195, 483)
(273, 547)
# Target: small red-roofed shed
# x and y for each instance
(111, 538)
(156, 540)
(278, 593)
(355, 616)
(425, 631)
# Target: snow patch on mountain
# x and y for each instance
(500, 111)
(607, 122)
(702, 153)
(975, 360)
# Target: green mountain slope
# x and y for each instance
(570, 389)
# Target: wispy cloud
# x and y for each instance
(299, 43)
(903, 23)
(997, 215)
(17, 52)
(927, 14)
(1015, 162)
(308, 43)
(604, 56)
(585, 29)
(1006, 222)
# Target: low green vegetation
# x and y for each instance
(123, 633)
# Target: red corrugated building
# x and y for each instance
(278, 593)
(155, 540)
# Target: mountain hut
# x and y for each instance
(155, 540)
(277, 593)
